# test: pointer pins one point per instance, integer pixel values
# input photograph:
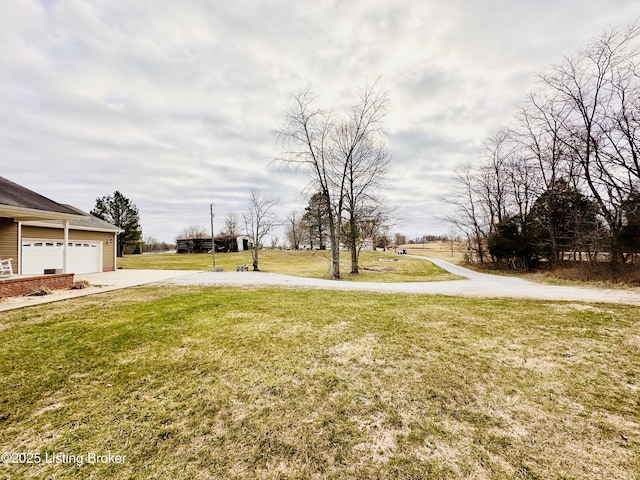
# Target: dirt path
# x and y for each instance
(475, 285)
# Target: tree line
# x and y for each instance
(563, 181)
(310, 229)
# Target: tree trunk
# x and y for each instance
(480, 250)
(353, 239)
(354, 260)
(254, 256)
(334, 235)
(335, 257)
(617, 254)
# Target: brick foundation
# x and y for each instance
(14, 287)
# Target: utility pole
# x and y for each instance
(213, 242)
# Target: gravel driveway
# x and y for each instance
(475, 285)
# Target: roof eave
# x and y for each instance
(22, 214)
(31, 223)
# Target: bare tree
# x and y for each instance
(571, 162)
(194, 231)
(294, 230)
(306, 131)
(150, 244)
(499, 150)
(593, 84)
(539, 129)
(470, 213)
(336, 155)
(231, 224)
(373, 221)
(366, 163)
(399, 239)
(259, 220)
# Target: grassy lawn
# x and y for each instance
(240, 384)
(375, 266)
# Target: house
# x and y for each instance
(42, 236)
(366, 244)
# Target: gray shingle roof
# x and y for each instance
(90, 221)
(14, 195)
(17, 196)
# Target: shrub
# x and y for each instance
(39, 292)
(80, 284)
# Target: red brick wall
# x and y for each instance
(14, 287)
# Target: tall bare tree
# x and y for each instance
(366, 164)
(499, 151)
(306, 131)
(231, 224)
(539, 127)
(470, 213)
(259, 220)
(294, 230)
(593, 84)
(337, 155)
(575, 144)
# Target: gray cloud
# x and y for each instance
(173, 103)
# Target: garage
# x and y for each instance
(39, 255)
(35, 232)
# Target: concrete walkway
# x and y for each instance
(100, 283)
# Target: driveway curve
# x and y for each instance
(474, 284)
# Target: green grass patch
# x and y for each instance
(239, 383)
(374, 266)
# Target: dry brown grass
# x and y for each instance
(598, 275)
(628, 275)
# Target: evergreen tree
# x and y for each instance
(316, 220)
(121, 212)
(565, 220)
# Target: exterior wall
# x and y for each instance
(108, 250)
(14, 287)
(9, 240)
(367, 245)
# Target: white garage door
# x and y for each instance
(39, 255)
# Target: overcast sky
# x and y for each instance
(173, 103)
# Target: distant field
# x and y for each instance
(220, 383)
(375, 266)
(441, 250)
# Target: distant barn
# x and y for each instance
(224, 243)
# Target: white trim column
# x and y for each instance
(19, 248)
(65, 249)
